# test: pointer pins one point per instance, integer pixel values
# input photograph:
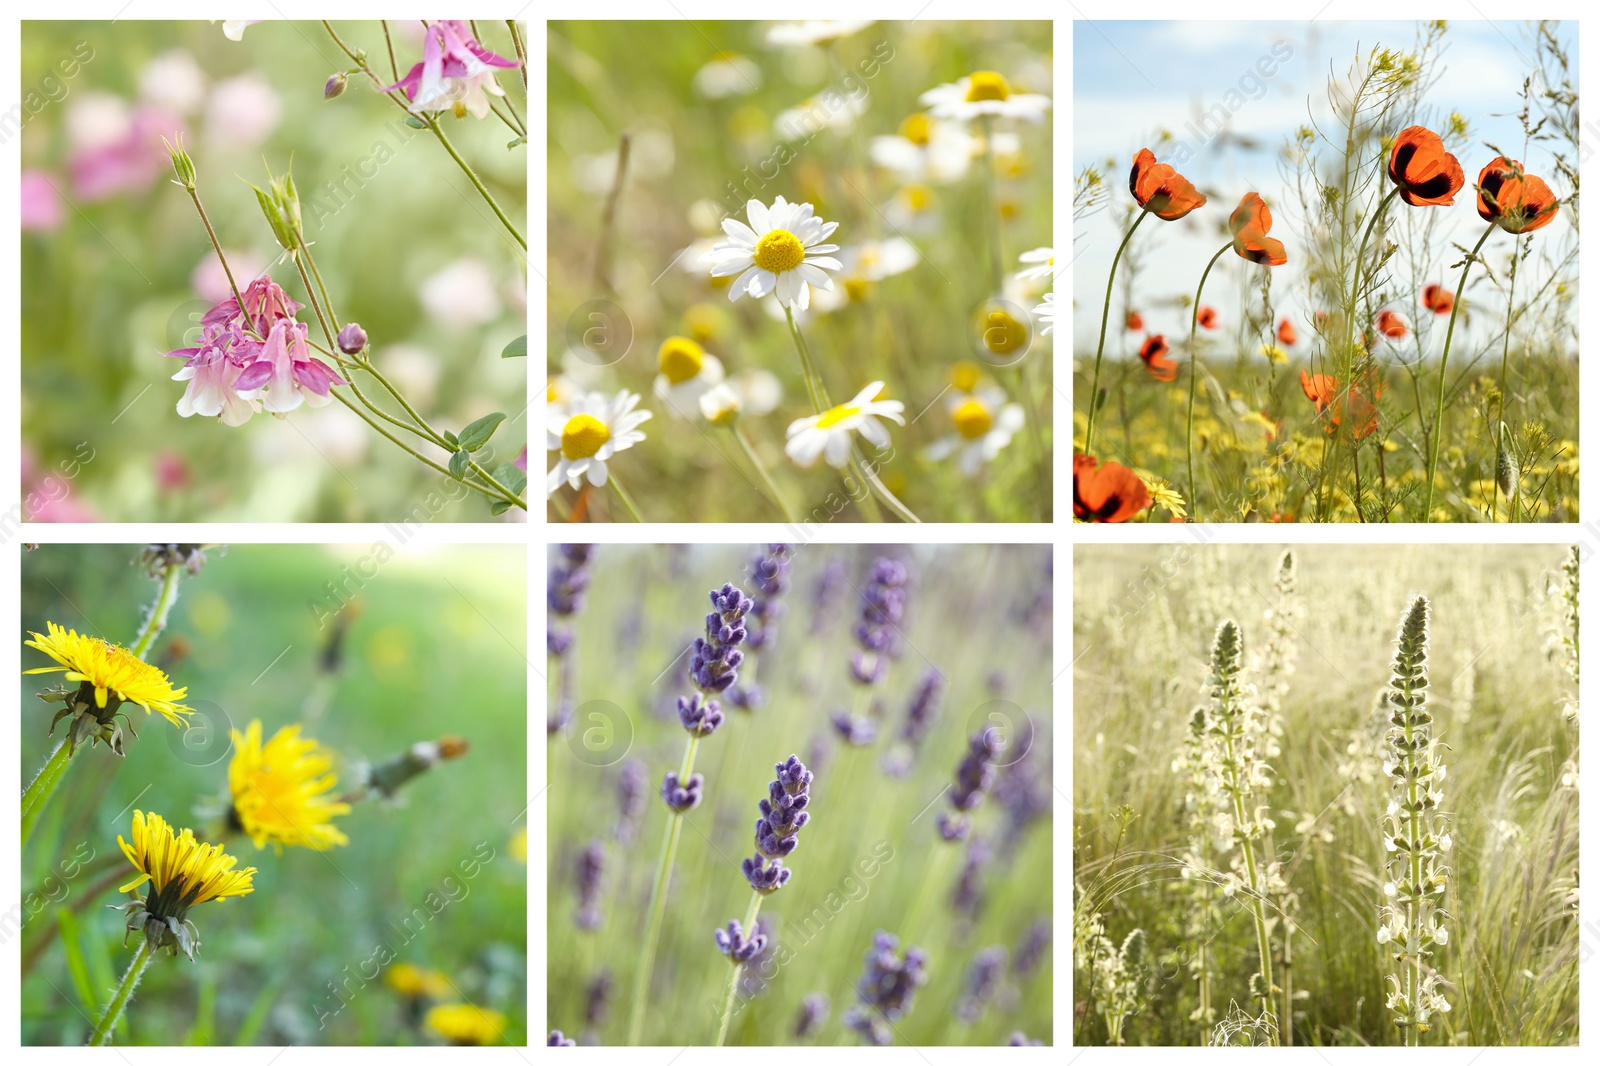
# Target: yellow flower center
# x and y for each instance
(1002, 334)
(917, 129)
(701, 321)
(833, 416)
(972, 419)
(681, 360)
(987, 85)
(918, 197)
(857, 289)
(964, 375)
(583, 436)
(779, 251)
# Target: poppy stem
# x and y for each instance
(1194, 373)
(1500, 434)
(1444, 362)
(1105, 316)
(1361, 251)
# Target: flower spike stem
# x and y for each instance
(1099, 352)
(42, 787)
(1444, 362)
(157, 619)
(1194, 374)
(733, 971)
(130, 980)
(658, 906)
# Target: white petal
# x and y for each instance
(810, 272)
(826, 261)
(762, 282)
(732, 265)
(874, 432)
(597, 473)
(739, 231)
(788, 287)
(837, 452)
(760, 221)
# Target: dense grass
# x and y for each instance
(980, 616)
(1145, 621)
(693, 160)
(437, 649)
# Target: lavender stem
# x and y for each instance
(733, 971)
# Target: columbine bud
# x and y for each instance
(336, 85)
(352, 338)
(182, 165)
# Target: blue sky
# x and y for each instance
(1131, 79)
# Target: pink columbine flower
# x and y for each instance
(454, 73)
(132, 162)
(265, 303)
(41, 202)
(213, 370)
(288, 371)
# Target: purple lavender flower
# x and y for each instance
(682, 796)
(813, 1015)
(591, 874)
(714, 667)
(598, 998)
(783, 814)
(569, 578)
(753, 977)
(883, 604)
(769, 574)
(751, 697)
(630, 801)
(736, 946)
(887, 989)
(924, 708)
(699, 716)
(857, 732)
(765, 878)
(560, 1039)
(1031, 951)
(1020, 1039)
(969, 896)
(826, 592)
(974, 777)
(983, 981)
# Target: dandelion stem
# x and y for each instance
(130, 980)
(1100, 349)
(773, 491)
(43, 786)
(627, 501)
(733, 971)
(658, 906)
(1194, 374)
(156, 620)
(1444, 362)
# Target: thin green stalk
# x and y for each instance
(814, 387)
(865, 472)
(818, 392)
(658, 906)
(733, 971)
(1257, 908)
(1505, 357)
(520, 46)
(773, 491)
(156, 620)
(1444, 362)
(1194, 374)
(42, 787)
(311, 294)
(194, 194)
(1361, 250)
(1100, 349)
(130, 980)
(419, 457)
(627, 501)
(992, 193)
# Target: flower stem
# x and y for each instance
(130, 980)
(992, 194)
(1500, 434)
(156, 620)
(43, 786)
(194, 194)
(627, 501)
(1100, 349)
(766, 477)
(733, 971)
(814, 387)
(1361, 250)
(1194, 374)
(658, 905)
(1444, 362)
(423, 459)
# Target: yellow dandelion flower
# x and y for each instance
(519, 845)
(182, 872)
(464, 1024)
(1274, 353)
(415, 982)
(109, 669)
(280, 790)
(1163, 495)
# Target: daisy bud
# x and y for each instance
(335, 86)
(352, 338)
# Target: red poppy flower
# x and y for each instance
(1391, 325)
(1426, 173)
(1207, 317)
(1135, 322)
(1438, 299)
(1516, 202)
(1105, 492)
(1154, 353)
(1250, 222)
(1160, 189)
(1333, 399)
(1286, 334)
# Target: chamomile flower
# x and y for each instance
(926, 149)
(913, 209)
(728, 74)
(814, 31)
(810, 116)
(829, 434)
(687, 371)
(983, 424)
(867, 263)
(586, 433)
(984, 93)
(720, 404)
(781, 252)
(1042, 264)
(1046, 313)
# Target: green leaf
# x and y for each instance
(416, 123)
(512, 144)
(76, 966)
(517, 348)
(450, 438)
(511, 476)
(253, 1022)
(477, 433)
(458, 464)
(499, 507)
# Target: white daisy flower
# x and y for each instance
(586, 433)
(687, 371)
(829, 434)
(984, 424)
(728, 74)
(926, 149)
(780, 252)
(720, 405)
(815, 31)
(864, 265)
(830, 110)
(1044, 264)
(984, 92)
(913, 210)
(1046, 312)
